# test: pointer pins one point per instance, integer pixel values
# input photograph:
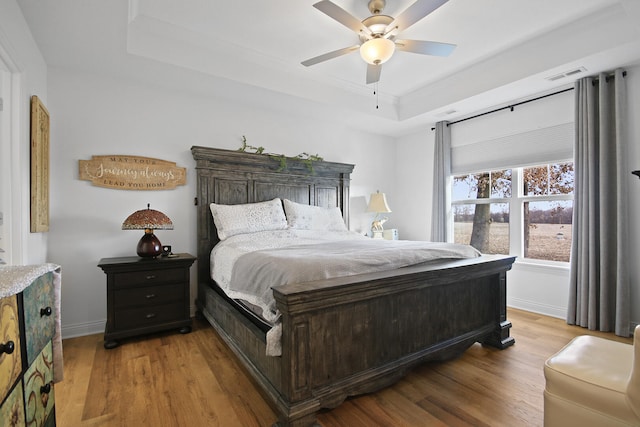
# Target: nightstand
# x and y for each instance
(146, 295)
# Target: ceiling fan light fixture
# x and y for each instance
(377, 50)
(378, 33)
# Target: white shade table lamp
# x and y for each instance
(378, 204)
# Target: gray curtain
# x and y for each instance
(441, 177)
(599, 281)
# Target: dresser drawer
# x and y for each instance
(148, 316)
(148, 277)
(38, 388)
(12, 410)
(10, 353)
(39, 316)
(148, 296)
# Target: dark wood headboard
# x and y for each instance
(235, 177)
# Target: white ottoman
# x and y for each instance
(587, 382)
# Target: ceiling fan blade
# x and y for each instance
(329, 55)
(414, 13)
(425, 47)
(373, 73)
(342, 16)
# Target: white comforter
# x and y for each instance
(247, 266)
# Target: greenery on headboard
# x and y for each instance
(305, 158)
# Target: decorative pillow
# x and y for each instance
(248, 218)
(305, 217)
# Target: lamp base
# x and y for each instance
(377, 234)
(149, 245)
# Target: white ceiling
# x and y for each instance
(506, 50)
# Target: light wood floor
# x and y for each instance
(170, 379)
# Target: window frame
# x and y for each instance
(516, 207)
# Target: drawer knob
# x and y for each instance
(44, 394)
(151, 315)
(151, 276)
(150, 296)
(8, 347)
(45, 312)
(45, 389)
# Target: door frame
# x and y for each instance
(13, 186)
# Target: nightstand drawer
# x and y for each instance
(148, 277)
(148, 316)
(149, 296)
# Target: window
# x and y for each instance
(521, 211)
(481, 210)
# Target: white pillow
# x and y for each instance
(306, 217)
(248, 218)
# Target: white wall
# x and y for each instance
(25, 75)
(94, 115)
(412, 215)
(531, 287)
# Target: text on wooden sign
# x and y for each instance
(132, 172)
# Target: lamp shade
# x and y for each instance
(378, 203)
(377, 50)
(148, 220)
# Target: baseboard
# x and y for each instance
(90, 328)
(82, 329)
(548, 310)
(535, 307)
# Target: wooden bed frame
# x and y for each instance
(344, 336)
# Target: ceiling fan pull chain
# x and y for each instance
(375, 92)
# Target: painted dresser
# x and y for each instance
(29, 304)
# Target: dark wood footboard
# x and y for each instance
(357, 334)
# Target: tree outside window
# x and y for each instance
(547, 214)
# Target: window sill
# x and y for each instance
(537, 265)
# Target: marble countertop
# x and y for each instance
(15, 278)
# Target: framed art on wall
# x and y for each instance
(39, 166)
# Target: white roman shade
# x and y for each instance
(534, 147)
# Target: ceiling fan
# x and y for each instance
(378, 32)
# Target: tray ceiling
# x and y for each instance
(506, 50)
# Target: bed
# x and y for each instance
(341, 336)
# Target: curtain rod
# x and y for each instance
(512, 106)
(609, 77)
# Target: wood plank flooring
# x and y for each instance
(170, 379)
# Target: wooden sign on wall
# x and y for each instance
(132, 173)
(39, 166)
